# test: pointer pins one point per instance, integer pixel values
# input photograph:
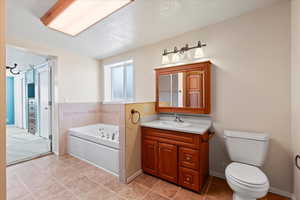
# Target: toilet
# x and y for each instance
(247, 152)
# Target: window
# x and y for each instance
(119, 81)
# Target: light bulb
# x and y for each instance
(175, 58)
(165, 59)
(187, 55)
(199, 53)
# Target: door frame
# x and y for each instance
(52, 62)
(41, 68)
(2, 103)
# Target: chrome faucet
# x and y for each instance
(177, 118)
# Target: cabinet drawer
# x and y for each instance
(189, 178)
(189, 158)
(172, 137)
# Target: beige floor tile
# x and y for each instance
(45, 161)
(26, 169)
(98, 176)
(115, 185)
(46, 190)
(28, 197)
(17, 193)
(81, 186)
(12, 181)
(65, 175)
(134, 191)
(146, 180)
(166, 189)
(67, 178)
(115, 197)
(155, 196)
(37, 180)
(64, 195)
(53, 166)
(83, 165)
(188, 195)
(218, 189)
(99, 193)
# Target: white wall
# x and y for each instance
(295, 88)
(251, 90)
(77, 78)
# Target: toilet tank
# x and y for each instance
(246, 147)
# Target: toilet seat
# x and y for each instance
(247, 182)
(246, 175)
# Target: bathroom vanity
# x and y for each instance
(175, 149)
(179, 155)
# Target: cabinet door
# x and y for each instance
(195, 89)
(167, 154)
(150, 156)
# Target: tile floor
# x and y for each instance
(22, 145)
(67, 178)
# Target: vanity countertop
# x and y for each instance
(188, 126)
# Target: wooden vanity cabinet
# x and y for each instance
(180, 158)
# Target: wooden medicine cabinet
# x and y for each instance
(184, 89)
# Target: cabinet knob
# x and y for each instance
(188, 158)
(188, 179)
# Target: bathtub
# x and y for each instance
(96, 144)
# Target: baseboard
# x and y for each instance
(272, 189)
(217, 174)
(281, 192)
(133, 176)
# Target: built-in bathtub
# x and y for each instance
(97, 144)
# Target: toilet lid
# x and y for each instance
(246, 174)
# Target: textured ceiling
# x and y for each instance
(142, 22)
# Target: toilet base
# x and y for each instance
(237, 197)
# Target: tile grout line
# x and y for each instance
(59, 183)
(27, 188)
(66, 188)
(105, 187)
(63, 185)
(179, 188)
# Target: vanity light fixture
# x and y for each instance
(165, 57)
(184, 50)
(74, 16)
(199, 53)
(175, 57)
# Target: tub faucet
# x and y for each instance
(178, 118)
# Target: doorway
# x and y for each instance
(28, 97)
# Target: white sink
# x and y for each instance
(176, 124)
(196, 127)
